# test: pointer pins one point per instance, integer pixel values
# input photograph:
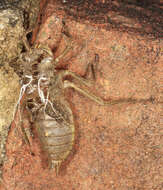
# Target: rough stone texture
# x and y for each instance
(11, 32)
(9, 85)
(117, 147)
(12, 23)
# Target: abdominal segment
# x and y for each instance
(56, 138)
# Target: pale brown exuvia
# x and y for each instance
(45, 101)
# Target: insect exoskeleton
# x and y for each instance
(56, 136)
(53, 121)
(51, 114)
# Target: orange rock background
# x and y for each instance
(119, 146)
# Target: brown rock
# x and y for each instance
(119, 146)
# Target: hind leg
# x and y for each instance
(85, 92)
(100, 101)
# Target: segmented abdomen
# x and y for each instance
(57, 138)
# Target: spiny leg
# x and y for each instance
(100, 101)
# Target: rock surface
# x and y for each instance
(12, 30)
(119, 146)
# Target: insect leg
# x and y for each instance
(20, 110)
(98, 100)
(92, 68)
(26, 134)
(25, 40)
(66, 50)
(81, 80)
(20, 121)
(24, 131)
